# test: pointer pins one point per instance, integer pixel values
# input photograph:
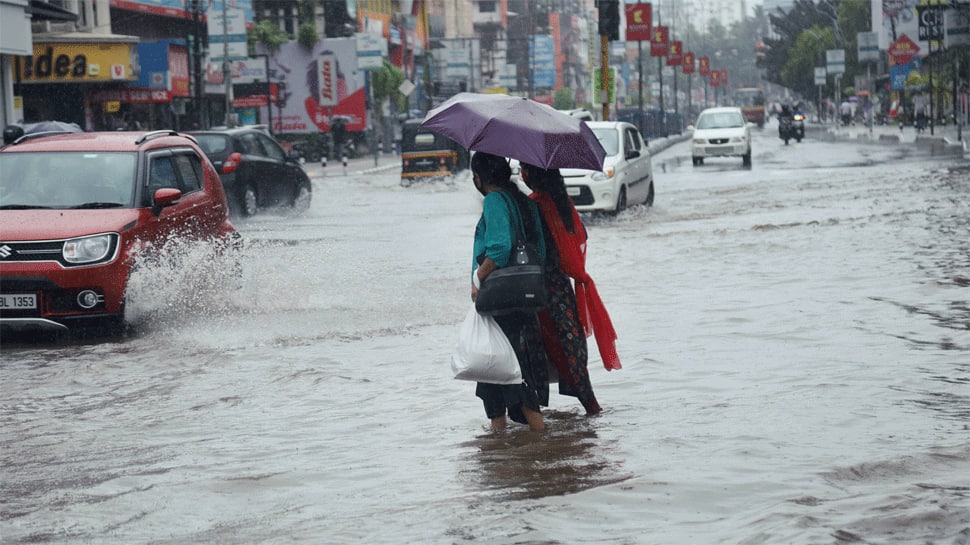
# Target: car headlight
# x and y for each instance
(88, 249)
(699, 141)
(604, 175)
(737, 139)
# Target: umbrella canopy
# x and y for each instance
(518, 128)
(50, 126)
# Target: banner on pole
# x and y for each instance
(658, 42)
(637, 22)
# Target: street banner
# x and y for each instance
(371, 50)
(637, 22)
(704, 66)
(715, 78)
(835, 61)
(227, 34)
(867, 47)
(957, 27)
(930, 22)
(542, 60)
(688, 64)
(820, 75)
(598, 84)
(902, 50)
(658, 42)
(675, 55)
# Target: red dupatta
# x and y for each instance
(572, 259)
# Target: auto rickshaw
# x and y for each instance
(425, 154)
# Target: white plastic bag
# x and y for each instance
(484, 353)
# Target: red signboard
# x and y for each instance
(658, 42)
(724, 78)
(715, 78)
(902, 50)
(178, 69)
(675, 55)
(637, 22)
(688, 64)
(704, 66)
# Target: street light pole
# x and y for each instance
(226, 67)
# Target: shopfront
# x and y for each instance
(56, 82)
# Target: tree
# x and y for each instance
(562, 99)
(385, 83)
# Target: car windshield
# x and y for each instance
(721, 120)
(609, 139)
(212, 144)
(67, 180)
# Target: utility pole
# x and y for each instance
(609, 29)
(226, 67)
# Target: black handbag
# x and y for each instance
(520, 286)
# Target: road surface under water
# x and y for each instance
(795, 341)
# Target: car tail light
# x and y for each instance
(231, 163)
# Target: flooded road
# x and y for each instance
(796, 350)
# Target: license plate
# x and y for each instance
(573, 191)
(18, 300)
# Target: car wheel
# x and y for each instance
(649, 201)
(696, 160)
(248, 200)
(620, 201)
(746, 159)
(301, 201)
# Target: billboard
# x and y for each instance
(299, 70)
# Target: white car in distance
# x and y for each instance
(721, 132)
(627, 175)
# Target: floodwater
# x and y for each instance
(795, 341)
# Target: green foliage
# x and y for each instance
(562, 99)
(307, 35)
(811, 26)
(268, 34)
(384, 83)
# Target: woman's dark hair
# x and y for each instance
(550, 182)
(495, 170)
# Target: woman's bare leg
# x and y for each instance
(499, 423)
(534, 419)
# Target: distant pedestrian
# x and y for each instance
(845, 110)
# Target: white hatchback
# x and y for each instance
(721, 132)
(627, 175)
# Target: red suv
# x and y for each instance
(77, 211)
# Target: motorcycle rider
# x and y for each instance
(785, 118)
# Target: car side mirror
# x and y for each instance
(750, 124)
(632, 154)
(690, 127)
(165, 197)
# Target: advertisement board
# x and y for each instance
(296, 68)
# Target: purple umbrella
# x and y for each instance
(518, 128)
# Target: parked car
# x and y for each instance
(255, 170)
(721, 132)
(627, 175)
(79, 211)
